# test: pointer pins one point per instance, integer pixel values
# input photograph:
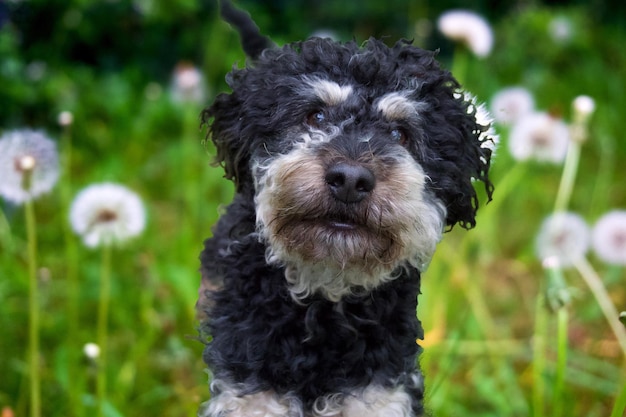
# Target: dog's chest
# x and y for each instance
(264, 338)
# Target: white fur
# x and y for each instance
(372, 401)
(330, 92)
(395, 106)
(420, 215)
(230, 403)
(377, 401)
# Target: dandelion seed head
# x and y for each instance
(91, 350)
(188, 85)
(26, 163)
(107, 213)
(36, 70)
(551, 262)
(469, 28)
(563, 239)
(560, 29)
(584, 106)
(65, 118)
(29, 165)
(510, 104)
(608, 238)
(539, 136)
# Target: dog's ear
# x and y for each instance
(461, 140)
(456, 139)
(224, 118)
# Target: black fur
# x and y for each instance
(253, 42)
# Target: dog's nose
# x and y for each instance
(350, 183)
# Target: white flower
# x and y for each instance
(584, 106)
(469, 28)
(560, 29)
(608, 237)
(29, 165)
(65, 118)
(539, 136)
(563, 238)
(91, 350)
(188, 85)
(511, 103)
(103, 214)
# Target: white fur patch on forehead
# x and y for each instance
(396, 106)
(330, 92)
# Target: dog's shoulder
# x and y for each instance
(233, 241)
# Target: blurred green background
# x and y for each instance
(112, 63)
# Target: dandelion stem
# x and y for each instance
(563, 197)
(568, 177)
(598, 290)
(561, 360)
(559, 298)
(620, 402)
(460, 63)
(5, 235)
(71, 262)
(539, 357)
(33, 299)
(191, 146)
(103, 312)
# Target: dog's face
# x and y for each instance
(357, 158)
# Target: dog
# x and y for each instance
(349, 163)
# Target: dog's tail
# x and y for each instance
(252, 41)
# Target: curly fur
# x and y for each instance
(262, 104)
(308, 298)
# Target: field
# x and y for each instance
(510, 329)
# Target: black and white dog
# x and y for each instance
(349, 163)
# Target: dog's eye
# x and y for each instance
(399, 136)
(316, 118)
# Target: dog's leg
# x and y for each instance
(227, 401)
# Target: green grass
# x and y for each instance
(492, 345)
